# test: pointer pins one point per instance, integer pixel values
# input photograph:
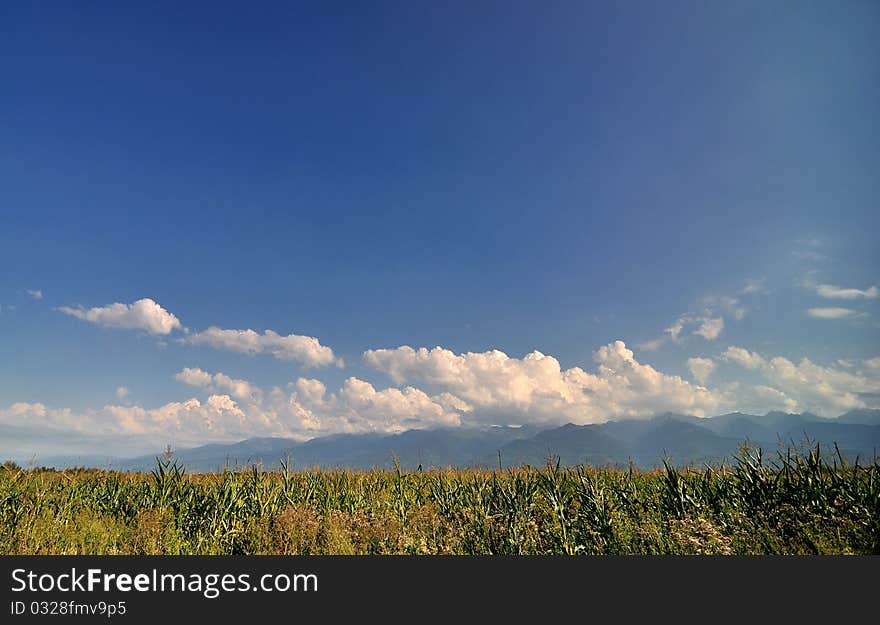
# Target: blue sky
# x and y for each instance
(488, 176)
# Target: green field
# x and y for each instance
(794, 503)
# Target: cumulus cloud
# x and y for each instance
(121, 392)
(824, 390)
(38, 414)
(701, 368)
(835, 292)
(35, 294)
(707, 320)
(303, 349)
(760, 399)
(306, 408)
(188, 422)
(144, 314)
(358, 407)
(535, 389)
(832, 313)
(232, 409)
(303, 409)
(467, 389)
(743, 357)
(240, 389)
(192, 420)
(710, 329)
(194, 377)
(768, 394)
(674, 331)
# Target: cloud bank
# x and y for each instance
(823, 390)
(440, 388)
(535, 389)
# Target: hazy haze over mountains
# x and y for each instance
(645, 442)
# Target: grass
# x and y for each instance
(798, 503)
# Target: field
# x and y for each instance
(794, 503)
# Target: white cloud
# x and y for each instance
(755, 286)
(710, 329)
(535, 389)
(144, 314)
(194, 377)
(35, 294)
(714, 305)
(359, 406)
(701, 368)
(307, 409)
(769, 394)
(835, 292)
(218, 417)
(824, 390)
(763, 399)
(743, 357)
(707, 322)
(651, 346)
(831, 291)
(304, 349)
(674, 331)
(832, 313)
(189, 422)
(121, 392)
(240, 389)
(459, 389)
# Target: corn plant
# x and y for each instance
(804, 500)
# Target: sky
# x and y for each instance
(229, 220)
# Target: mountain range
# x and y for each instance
(684, 440)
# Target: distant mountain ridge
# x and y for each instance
(684, 439)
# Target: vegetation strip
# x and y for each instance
(795, 503)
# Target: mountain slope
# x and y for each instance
(864, 416)
(571, 444)
(683, 439)
(430, 448)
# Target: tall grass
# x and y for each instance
(795, 503)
